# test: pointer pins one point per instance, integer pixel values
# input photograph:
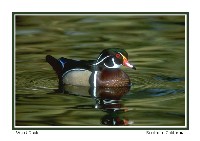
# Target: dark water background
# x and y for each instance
(155, 44)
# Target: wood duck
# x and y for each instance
(103, 72)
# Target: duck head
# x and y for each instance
(113, 58)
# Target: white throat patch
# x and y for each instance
(114, 64)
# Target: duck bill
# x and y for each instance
(127, 64)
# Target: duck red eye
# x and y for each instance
(118, 55)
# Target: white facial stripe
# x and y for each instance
(101, 60)
(114, 64)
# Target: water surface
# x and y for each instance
(155, 44)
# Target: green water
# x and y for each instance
(155, 44)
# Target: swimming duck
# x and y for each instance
(104, 71)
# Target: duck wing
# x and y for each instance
(63, 65)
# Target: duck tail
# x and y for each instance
(56, 65)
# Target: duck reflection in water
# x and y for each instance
(107, 99)
(102, 78)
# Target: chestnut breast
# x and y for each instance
(112, 78)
